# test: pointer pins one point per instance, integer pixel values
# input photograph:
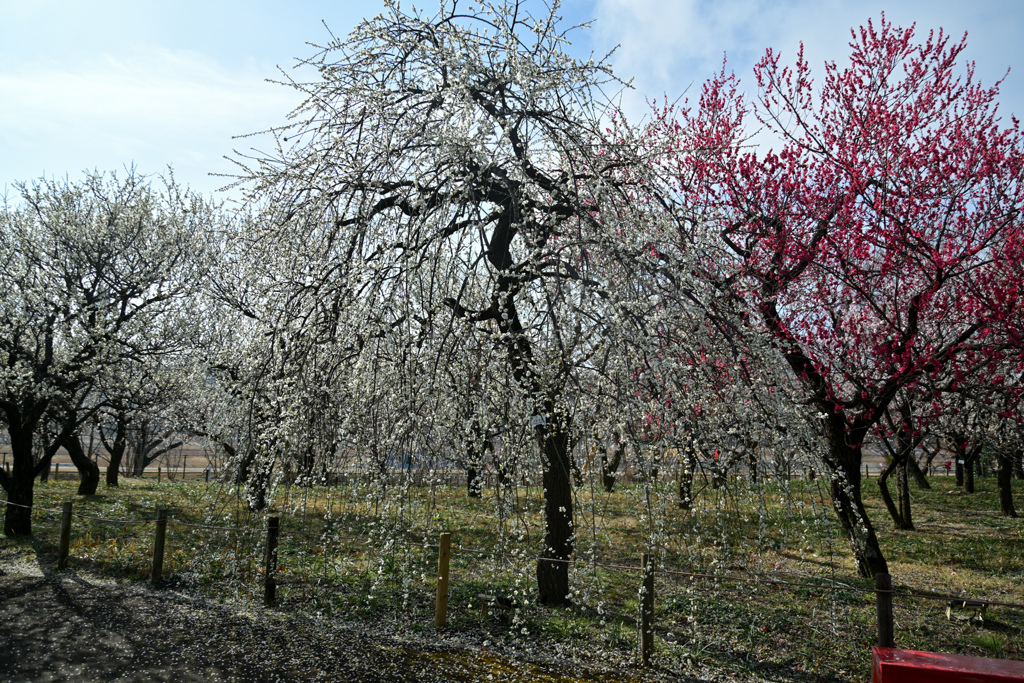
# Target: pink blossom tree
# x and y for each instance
(871, 246)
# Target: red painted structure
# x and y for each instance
(891, 665)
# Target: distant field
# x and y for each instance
(191, 456)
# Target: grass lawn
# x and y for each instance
(368, 557)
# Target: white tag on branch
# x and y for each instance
(537, 420)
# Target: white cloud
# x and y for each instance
(671, 46)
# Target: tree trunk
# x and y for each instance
(476, 450)
(19, 483)
(902, 457)
(883, 490)
(138, 454)
(474, 487)
(553, 566)
(972, 456)
(919, 476)
(258, 485)
(609, 468)
(903, 493)
(959, 457)
(116, 448)
(87, 469)
(244, 464)
(1004, 481)
(689, 469)
(44, 473)
(854, 520)
(844, 462)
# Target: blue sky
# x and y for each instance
(106, 84)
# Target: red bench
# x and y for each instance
(891, 665)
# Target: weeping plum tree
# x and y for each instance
(438, 196)
(93, 275)
(868, 246)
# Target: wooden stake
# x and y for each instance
(207, 475)
(270, 580)
(883, 599)
(159, 540)
(443, 556)
(65, 536)
(158, 475)
(646, 609)
(56, 472)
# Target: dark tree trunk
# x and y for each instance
(960, 447)
(718, 472)
(689, 470)
(553, 566)
(972, 456)
(610, 467)
(87, 469)
(1004, 481)
(919, 475)
(845, 439)
(258, 485)
(476, 450)
(44, 473)
(929, 459)
(855, 522)
(883, 490)
(474, 487)
(19, 483)
(903, 493)
(244, 464)
(116, 447)
(902, 455)
(844, 461)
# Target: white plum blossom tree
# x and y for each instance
(94, 275)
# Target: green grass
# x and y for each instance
(361, 557)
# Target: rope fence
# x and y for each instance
(883, 590)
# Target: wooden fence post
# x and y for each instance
(159, 540)
(65, 536)
(444, 554)
(270, 580)
(56, 472)
(207, 475)
(158, 475)
(883, 599)
(646, 609)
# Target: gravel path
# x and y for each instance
(70, 627)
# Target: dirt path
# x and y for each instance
(68, 627)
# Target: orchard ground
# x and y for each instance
(356, 593)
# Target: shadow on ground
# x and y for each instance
(68, 627)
